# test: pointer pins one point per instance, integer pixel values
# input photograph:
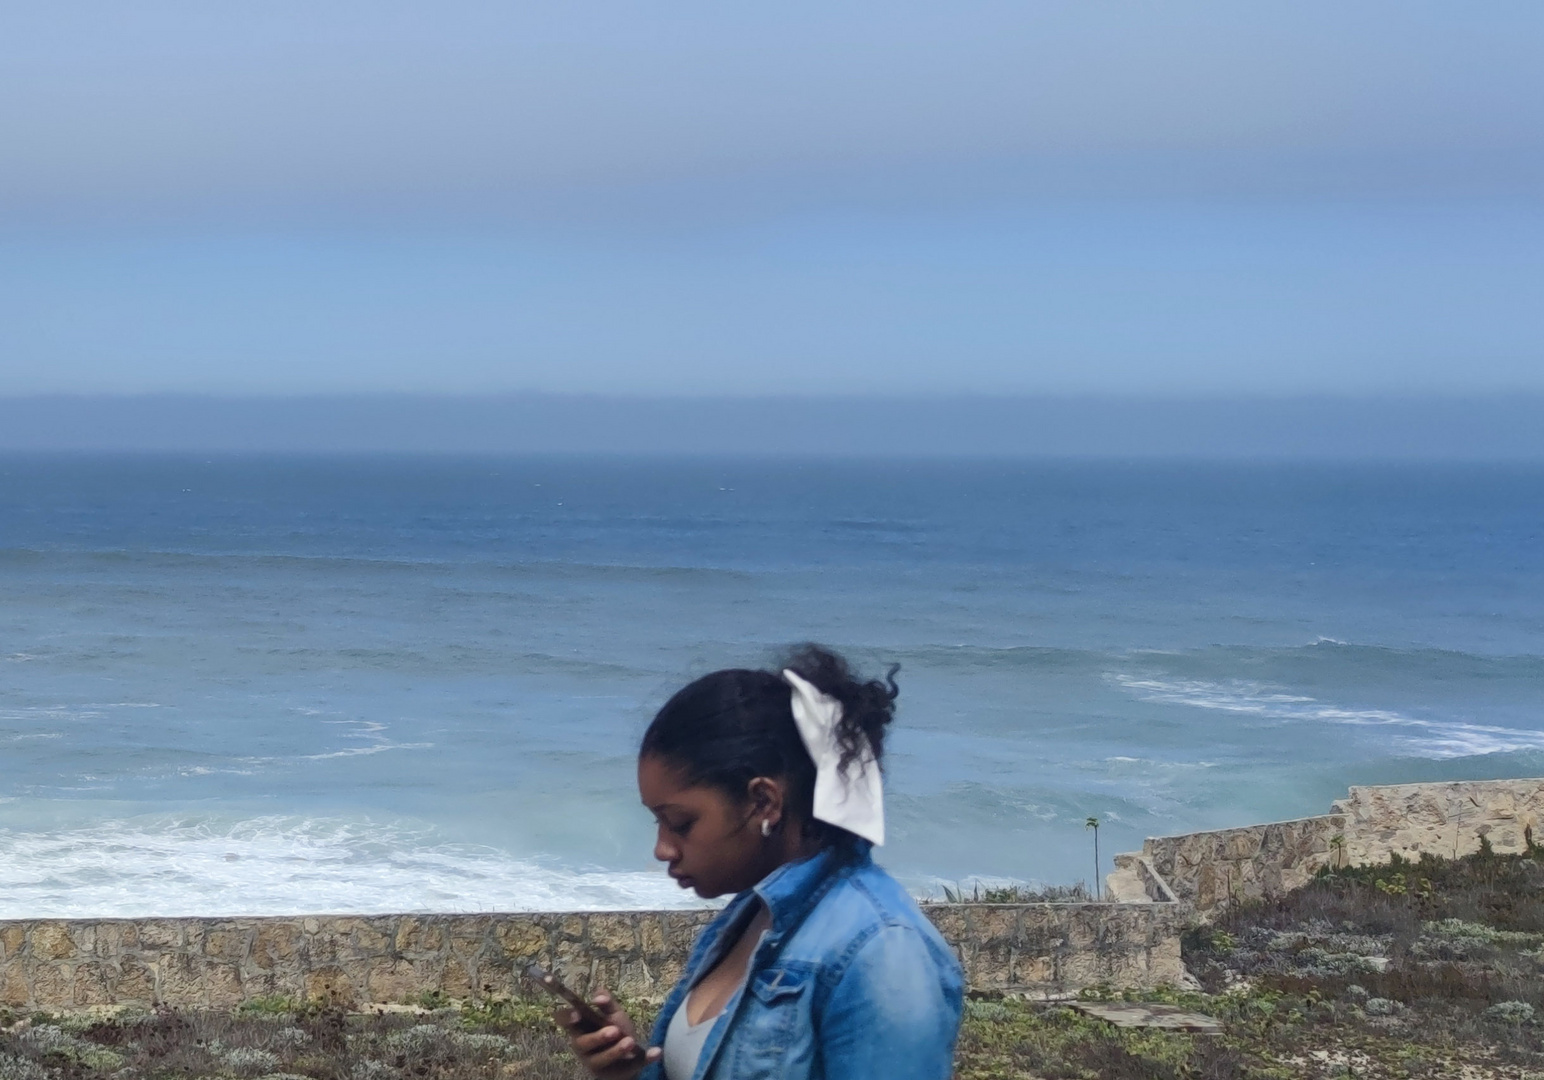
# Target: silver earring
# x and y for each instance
(766, 827)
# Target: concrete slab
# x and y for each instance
(1142, 1014)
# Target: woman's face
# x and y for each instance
(708, 842)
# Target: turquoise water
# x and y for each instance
(282, 684)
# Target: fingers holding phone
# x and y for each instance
(602, 1035)
(611, 1052)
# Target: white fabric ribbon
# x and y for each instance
(851, 798)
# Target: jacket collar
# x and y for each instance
(794, 888)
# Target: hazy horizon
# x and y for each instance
(1323, 427)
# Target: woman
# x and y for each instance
(766, 785)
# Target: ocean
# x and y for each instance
(276, 684)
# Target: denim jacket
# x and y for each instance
(852, 982)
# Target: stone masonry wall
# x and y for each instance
(1210, 870)
(1444, 819)
(1046, 949)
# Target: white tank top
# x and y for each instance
(683, 1043)
(684, 1040)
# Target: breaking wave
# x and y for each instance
(286, 866)
(1439, 739)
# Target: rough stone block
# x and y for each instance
(274, 944)
(91, 985)
(651, 935)
(668, 972)
(613, 935)
(354, 937)
(469, 936)
(372, 939)
(180, 979)
(418, 936)
(456, 980)
(109, 940)
(325, 947)
(989, 970)
(51, 941)
(520, 938)
(51, 986)
(227, 943)
(1086, 968)
(132, 984)
(949, 919)
(12, 937)
(996, 923)
(501, 978)
(159, 934)
(1030, 970)
(330, 984)
(394, 980)
(13, 984)
(605, 972)
(1243, 844)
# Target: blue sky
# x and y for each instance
(801, 198)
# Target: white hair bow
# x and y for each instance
(851, 798)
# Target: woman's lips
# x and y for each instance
(684, 880)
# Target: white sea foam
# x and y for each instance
(274, 866)
(1440, 739)
(366, 729)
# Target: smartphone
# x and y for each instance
(589, 1019)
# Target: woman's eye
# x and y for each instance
(680, 828)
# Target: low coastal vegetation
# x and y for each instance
(1013, 894)
(1430, 969)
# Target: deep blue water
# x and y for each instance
(270, 684)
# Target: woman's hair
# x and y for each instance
(727, 728)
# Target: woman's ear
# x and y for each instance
(766, 795)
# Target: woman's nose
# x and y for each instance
(664, 850)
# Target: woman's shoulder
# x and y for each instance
(863, 904)
(871, 884)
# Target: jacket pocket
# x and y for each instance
(776, 984)
(774, 1034)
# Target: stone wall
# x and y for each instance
(1444, 819)
(1041, 949)
(1210, 870)
(1044, 949)
(1055, 950)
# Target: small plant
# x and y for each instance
(433, 1000)
(251, 1061)
(1098, 992)
(1017, 894)
(269, 1005)
(1510, 1012)
(503, 1012)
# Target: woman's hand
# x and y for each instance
(613, 1052)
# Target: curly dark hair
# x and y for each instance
(729, 727)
